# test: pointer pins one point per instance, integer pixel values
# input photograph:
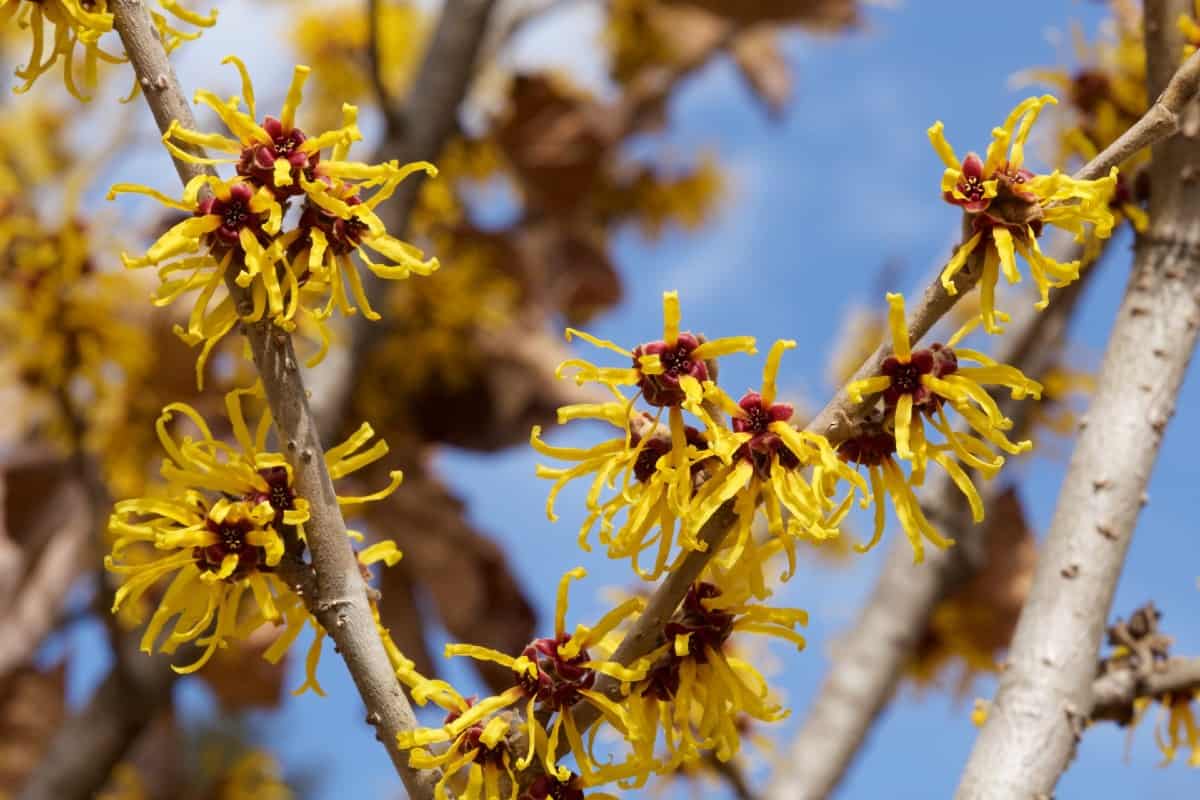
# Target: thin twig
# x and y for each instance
(1113, 694)
(334, 589)
(1045, 693)
(375, 67)
(417, 131)
(1161, 121)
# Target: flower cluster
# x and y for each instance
(75, 28)
(227, 517)
(916, 387)
(235, 231)
(1106, 95)
(71, 342)
(1007, 206)
(690, 696)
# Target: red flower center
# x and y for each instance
(471, 740)
(663, 390)
(936, 360)
(343, 235)
(231, 539)
(709, 629)
(279, 493)
(234, 213)
(559, 680)
(258, 160)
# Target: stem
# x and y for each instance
(1114, 693)
(837, 420)
(1046, 693)
(333, 588)
(869, 659)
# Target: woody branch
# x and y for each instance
(1046, 693)
(333, 587)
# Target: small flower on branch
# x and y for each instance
(228, 515)
(1007, 206)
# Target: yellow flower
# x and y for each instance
(667, 372)
(874, 446)
(699, 690)
(69, 333)
(1190, 30)
(549, 677)
(916, 386)
(1107, 89)
(655, 201)
(336, 219)
(1125, 203)
(477, 759)
(78, 25)
(255, 776)
(214, 553)
(672, 373)
(1180, 728)
(640, 458)
(333, 40)
(1008, 206)
(233, 225)
(762, 459)
(221, 530)
(237, 224)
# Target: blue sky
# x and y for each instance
(819, 200)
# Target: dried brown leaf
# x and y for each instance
(555, 137)
(474, 592)
(49, 527)
(241, 678)
(763, 66)
(32, 706)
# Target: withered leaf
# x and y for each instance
(32, 706)
(465, 574)
(764, 67)
(241, 678)
(555, 137)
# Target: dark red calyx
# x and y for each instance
(708, 629)
(559, 680)
(257, 160)
(658, 446)
(470, 740)
(1089, 88)
(343, 235)
(234, 213)
(550, 787)
(871, 446)
(663, 390)
(231, 539)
